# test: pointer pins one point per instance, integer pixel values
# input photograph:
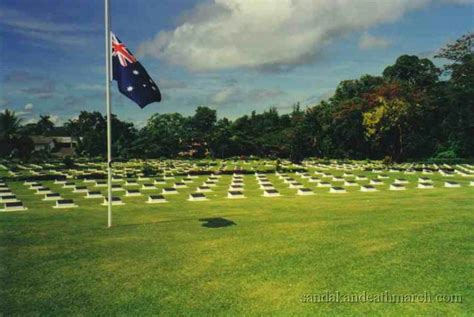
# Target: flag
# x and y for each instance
(132, 79)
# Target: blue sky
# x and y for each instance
(231, 55)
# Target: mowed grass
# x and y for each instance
(160, 259)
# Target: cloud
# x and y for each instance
(32, 84)
(234, 94)
(317, 98)
(269, 34)
(21, 77)
(28, 107)
(55, 119)
(171, 84)
(368, 41)
(462, 2)
(90, 87)
(41, 29)
(44, 90)
(30, 121)
(35, 85)
(73, 102)
(225, 95)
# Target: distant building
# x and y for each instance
(60, 146)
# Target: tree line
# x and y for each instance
(413, 111)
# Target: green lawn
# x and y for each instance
(160, 259)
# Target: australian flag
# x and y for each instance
(132, 79)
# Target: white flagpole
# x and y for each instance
(109, 112)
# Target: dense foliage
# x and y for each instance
(414, 110)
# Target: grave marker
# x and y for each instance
(65, 203)
(324, 184)
(452, 185)
(5, 192)
(375, 182)
(94, 194)
(397, 187)
(80, 189)
(117, 188)
(169, 191)
(204, 189)
(197, 197)
(156, 199)
(159, 181)
(132, 193)
(295, 185)
(350, 183)
(337, 190)
(235, 194)
(116, 201)
(425, 185)
(304, 191)
(148, 186)
(43, 191)
(14, 206)
(180, 185)
(52, 196)
(271, 193)
(69, 185)
(368, 188)
(400, 181)
(8, 199)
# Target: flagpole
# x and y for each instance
(109, 112)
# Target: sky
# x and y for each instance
(234, 56)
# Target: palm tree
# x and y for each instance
(9, 124)
(44, 126)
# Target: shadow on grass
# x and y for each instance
(217, 222)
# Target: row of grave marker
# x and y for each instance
(235, 188)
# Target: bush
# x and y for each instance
(148, 170)
(68, 162)
(387, 161)
(448, 154)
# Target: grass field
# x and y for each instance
(260, 255)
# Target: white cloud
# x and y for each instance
(28, 107)
(34, 119)
(55, 119)
(171, 84)
(22, 113)
(234, 94)
(30, 121)
(459, 1)
(269, 33)
(368, 41)
(224, 95)
(90, 87)
(39, 28)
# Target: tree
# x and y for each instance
(220, 140)
(9, 124)
(394, 121)
(44, 126)
(456, 98)
(22, 147)
(458, 50)
(90, 131)
(204, 120)
(201, 126)
(163, 136)
(413, 71)
(12, 143)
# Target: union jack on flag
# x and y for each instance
(132, 79)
